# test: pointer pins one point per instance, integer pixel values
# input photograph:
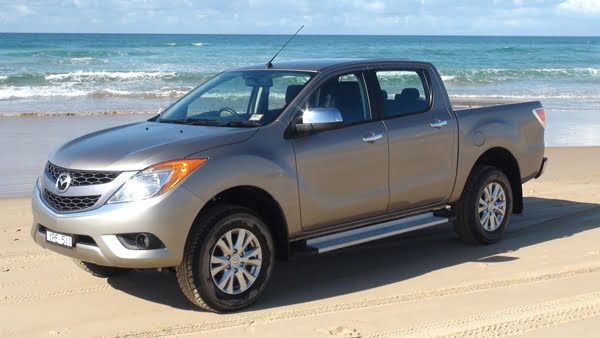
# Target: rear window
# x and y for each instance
(402, 92)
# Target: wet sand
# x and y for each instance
(27, 141)
(543, 279)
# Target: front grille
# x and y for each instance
(69, 203)
(82, 177)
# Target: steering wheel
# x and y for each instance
(230, 111)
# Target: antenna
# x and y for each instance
(269, 64)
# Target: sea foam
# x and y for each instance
(81, 76)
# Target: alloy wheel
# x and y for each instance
(492, 207)
(236, 261)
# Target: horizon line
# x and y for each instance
(285, 34)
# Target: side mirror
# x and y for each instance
(319, 119)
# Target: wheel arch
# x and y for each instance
(261, 202)
(504, 160)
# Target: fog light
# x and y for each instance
(140, 241)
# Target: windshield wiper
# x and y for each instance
(242, 123)
(191, 121)
(210, 122)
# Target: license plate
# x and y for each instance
(60, 239)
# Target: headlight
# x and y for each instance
(155, 180)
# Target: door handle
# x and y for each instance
(437, 124)
(372, 137)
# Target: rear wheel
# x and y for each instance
(484, 210)
(100, 270)
(228, 259)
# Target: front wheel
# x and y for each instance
(484, 210)
(228, 259)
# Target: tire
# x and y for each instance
(204, 253)
(470, 224)
(100, 270)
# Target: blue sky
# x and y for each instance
(409, 17)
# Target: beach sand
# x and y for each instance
(543, 279)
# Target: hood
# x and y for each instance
(140, 145)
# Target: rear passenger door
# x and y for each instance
(342, 173)
(421, 134)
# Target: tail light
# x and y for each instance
(540, 115)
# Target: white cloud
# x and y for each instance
(460, 17)
(364, 5)
(23, 9)
(589, 7)
(373, 6)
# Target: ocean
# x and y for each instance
(91, 73)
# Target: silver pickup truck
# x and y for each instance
(313, 155)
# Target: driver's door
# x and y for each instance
(342, 173)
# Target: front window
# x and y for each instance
(238, 98)
(347, 93)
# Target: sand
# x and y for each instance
(543, 279)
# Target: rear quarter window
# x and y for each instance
(402, 92)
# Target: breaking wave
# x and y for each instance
(494, 75)
(101, 77)
(12, 92)
(95, 76)
(498, 75)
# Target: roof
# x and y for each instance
(317, 65)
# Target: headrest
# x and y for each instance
(384, 95)
(345, 88)
(291, 92)
(408, 94)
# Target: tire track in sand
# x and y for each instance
(244, 320)
(42, 282)
(513, 321)
(59, 293)
(27, 261)
(27, 257)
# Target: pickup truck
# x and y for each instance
(260, 161)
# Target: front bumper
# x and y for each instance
(169, 217)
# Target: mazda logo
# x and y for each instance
(63, 182)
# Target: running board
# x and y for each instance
(374, 232)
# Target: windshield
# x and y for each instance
(238, 98)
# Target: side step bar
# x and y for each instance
(373, 232)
